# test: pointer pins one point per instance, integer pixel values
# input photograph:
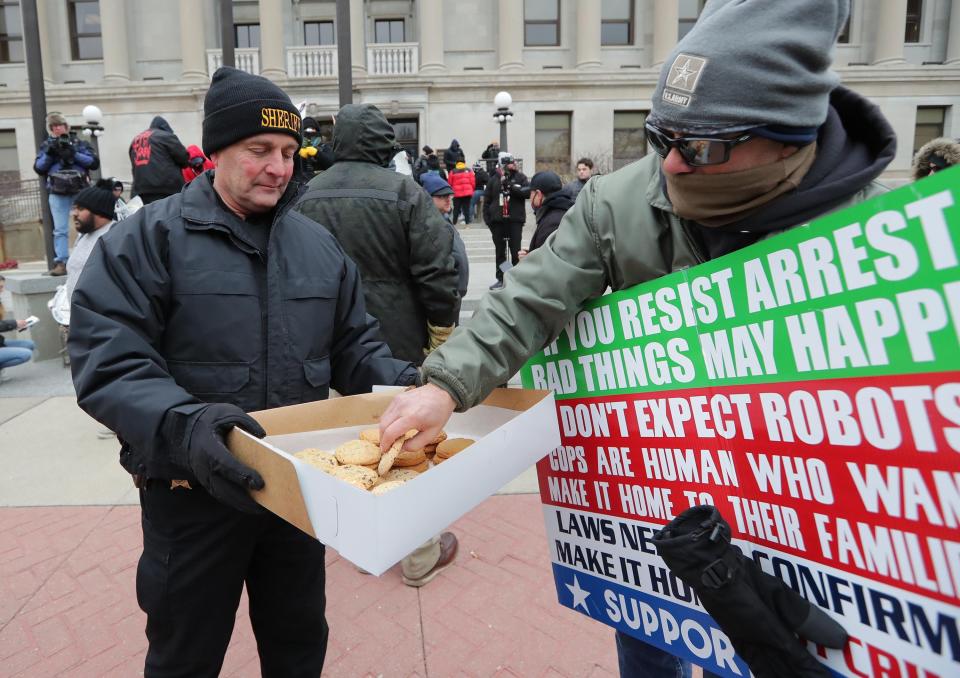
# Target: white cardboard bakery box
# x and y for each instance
(513, 429)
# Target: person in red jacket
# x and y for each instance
(197, 165)
(462, 182)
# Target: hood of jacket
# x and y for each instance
(854, 145)
(454, 145)
(560, 200)
(946, 149)
(159, 122)
(363, 134)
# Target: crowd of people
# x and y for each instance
(237, 288)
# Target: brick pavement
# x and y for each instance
(68, 606)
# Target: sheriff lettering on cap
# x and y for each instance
(277, 118)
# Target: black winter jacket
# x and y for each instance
(8, 325)
(492, 205)
(390, 227)
(182, 307)
(549, 216)
(157, 158)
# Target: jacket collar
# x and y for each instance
(201, 209)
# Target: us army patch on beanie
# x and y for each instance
(682, 79)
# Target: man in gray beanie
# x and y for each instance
(752, 135)
(215, 302)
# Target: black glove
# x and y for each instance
(197, 163)
(221, 474)
(67, 153)
(759, 613)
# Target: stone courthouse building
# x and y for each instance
(581, 72)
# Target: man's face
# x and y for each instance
(444, 203)
(84, 220)
(583, 172)
(536, 198)
(59, 129)
(117, 192)
(755, 152)
(253, 173)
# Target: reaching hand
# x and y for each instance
(21, 324)
(220, 473)
(425, 409)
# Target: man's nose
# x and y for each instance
(275, 163)
(675, 164)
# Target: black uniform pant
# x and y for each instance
(505, 232)
(197, 555)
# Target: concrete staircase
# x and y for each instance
(480, 252)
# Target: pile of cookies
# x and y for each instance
(360, 463)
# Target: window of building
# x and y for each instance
(541, 23)
(9, 165)
(629, 137)
(85, 37)
(844, 37)
(246, 35)
(689, 11)
(318, 33)
(929, 125)
(914, 19)
(552, 142)
(388, 30)
(11, 38)
(616, 27)
(407, 132)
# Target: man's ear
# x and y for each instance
(213, 158)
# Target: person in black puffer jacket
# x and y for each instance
(157, 159)
(550, 201)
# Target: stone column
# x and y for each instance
(113, 26)
(891, 26)
(589, 15)
(45, 42)
(272, 59)
(431, 36)
(953, 34)
(666, 25)
(358, 37)
(193, 43)
(511, 34)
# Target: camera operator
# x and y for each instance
(504, 211)
(65, 162)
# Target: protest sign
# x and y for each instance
(809, 387)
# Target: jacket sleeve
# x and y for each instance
(516, 186)
(432, 265)
(8, 325)
(177, 151)
(45, 159)
(359, 360)
(539, 298)
(85, 156)
(117, 320)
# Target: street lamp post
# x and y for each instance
(503, 115)
(93, 129)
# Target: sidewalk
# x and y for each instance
(70, 539)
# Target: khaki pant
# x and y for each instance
(422, 559)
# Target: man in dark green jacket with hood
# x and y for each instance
(752, 136)
(387, 224)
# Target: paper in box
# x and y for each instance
(513, 429)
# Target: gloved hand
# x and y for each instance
(437, 335)
(67, 153)
(759, 613)
(196, 163)
(308, 152)
(221, 474)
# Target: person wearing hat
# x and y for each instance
(550, 200)
(315, 154)
(935, 156)
(65, 162)
(157, 161)
(462, 182)
(746, 144)
(217, 301)
(443, 198)
(505, 212)
(94, 212)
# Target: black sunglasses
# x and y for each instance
(695, 151)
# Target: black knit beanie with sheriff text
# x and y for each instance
(239, 105)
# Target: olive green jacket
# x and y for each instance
(621, 232)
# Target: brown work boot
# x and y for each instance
(448, 552)
(59, 268)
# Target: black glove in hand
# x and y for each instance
(759, 613)
(221, 474)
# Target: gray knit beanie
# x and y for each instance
(750, 64)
